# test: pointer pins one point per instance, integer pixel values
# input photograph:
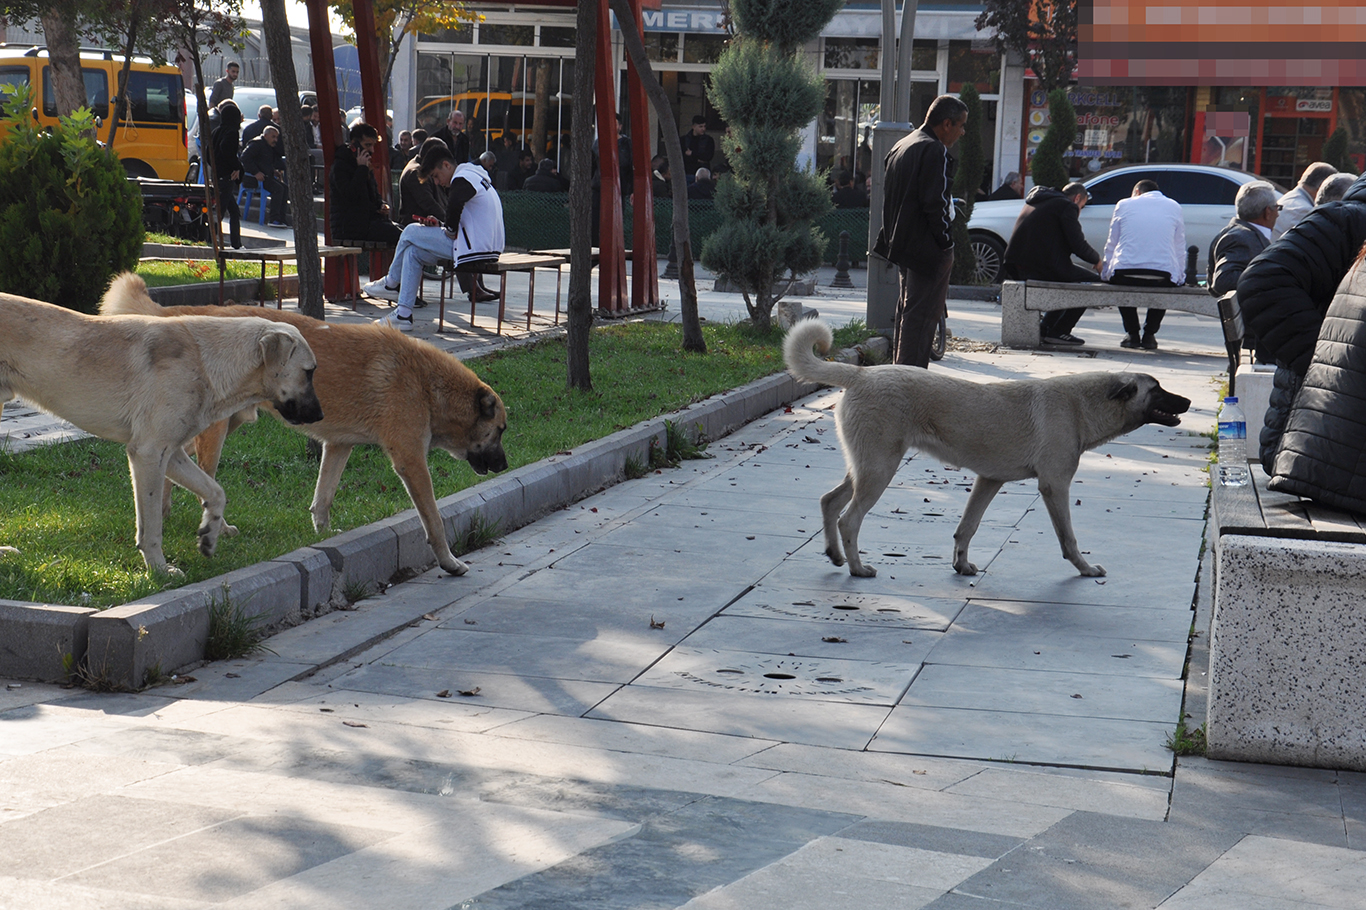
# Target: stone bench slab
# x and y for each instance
(1023, 301)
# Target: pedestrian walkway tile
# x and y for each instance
(730, 672)
(1033, 692)
(847, 608)
(814, 639)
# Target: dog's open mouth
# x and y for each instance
(1163, 417)
(1169, 412)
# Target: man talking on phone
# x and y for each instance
(358, 211)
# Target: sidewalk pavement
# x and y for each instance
(665, 696)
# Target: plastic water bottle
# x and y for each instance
(1232, 445)
(1232, 424)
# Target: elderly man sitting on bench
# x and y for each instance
(473, 232)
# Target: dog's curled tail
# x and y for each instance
(127, 296)
(805, 365)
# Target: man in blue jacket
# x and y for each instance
(917, 226)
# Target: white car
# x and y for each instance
(1205, 193)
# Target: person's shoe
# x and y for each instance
(379, 289)
(395, 321)
(1131, 341)
(1065, 338)
(482, 295)
(277, 224)
(419, 303)
(1149, 342)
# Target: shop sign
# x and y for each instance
(679, 20)
(1314, 105)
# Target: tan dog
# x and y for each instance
(153, 384)
(1001, 431)
(376, 386)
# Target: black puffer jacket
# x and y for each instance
(1285, 291)
(1322, 454)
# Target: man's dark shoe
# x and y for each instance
(484, 296)
(1149, 342)
(1066, 338)
(1131, 341)
(419, 303)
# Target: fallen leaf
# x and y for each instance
(233, 675)
(1122, 656)
(325, 710)
(469, 692)
(809, 439)
(594, 509)
(430, 617)
(1076, 696)
(919, 772)
(1078, 502)
(470, 622)
(749, 537)
(654, 624)
(182, 680)
(354, 723)
(444, 693)
(835, 639)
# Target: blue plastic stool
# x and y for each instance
(247, 194)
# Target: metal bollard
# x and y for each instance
(842, 264)
(1192, 254)
(671, 270)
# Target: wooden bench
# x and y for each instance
(380, 253)
(508, 262)
(1023, 301)
(280, 255)
(1286, 638)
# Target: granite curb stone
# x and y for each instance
(38, 638)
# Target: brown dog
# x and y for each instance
(376, 386)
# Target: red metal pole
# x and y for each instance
(644, 271)
(372, 99)
(335, 270)
(611, 237)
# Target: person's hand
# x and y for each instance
(236, 175)
(431, 221)
(363, 157)
(384, 207)
(260, 177)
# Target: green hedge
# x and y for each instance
(540, 221)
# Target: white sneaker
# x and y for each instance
(395, 321)
(377, 288)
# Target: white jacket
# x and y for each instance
(1294, 205)
(481, 235)
(1147, 232)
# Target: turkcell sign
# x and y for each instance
(679, 20)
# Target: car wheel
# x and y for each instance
(991, 255)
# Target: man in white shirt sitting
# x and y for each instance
(1146, 248)
(1298, 202)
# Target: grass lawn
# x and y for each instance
(168, 272)
(68, 508)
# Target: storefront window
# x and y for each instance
(978, 66)
(662, 47)
(516, 35)
(462, 35)
(851, 53)
(556, 37)
(703, 48)
(1116, 125)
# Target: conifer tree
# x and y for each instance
(766, 93)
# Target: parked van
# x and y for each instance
(151, 138)
(489, 114)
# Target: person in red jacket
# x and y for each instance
(917, 226)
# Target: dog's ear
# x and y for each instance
(487, 403)
(276, 344)
(1123, 390)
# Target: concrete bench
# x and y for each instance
(1287, 642)
(508, 262)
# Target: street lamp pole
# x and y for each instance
(893, 124)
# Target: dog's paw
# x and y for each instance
(455, 567)
(229, 530)
(1093, 572)
(862, 571)
(965, 568)
(835, 556)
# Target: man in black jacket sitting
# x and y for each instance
(358, 212)
(1046, 237)
(263, 166)
(1245, 236)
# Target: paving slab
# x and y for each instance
(1266, 872)
(793, 638)
(846, 609)
(1046, 692)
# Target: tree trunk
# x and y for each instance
(540, 115)
(580, 317)
(64, 54)
(207, 170)
(678, 180)
(121, 96)
(298, 164)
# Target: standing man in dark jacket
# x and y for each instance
(917, 226)
(1045, 238)
(1285, 292)
(698, 147)
(358, 212)
(453, 134)
(1245, 236)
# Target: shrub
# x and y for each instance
(1046, 165)
(69, 217)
